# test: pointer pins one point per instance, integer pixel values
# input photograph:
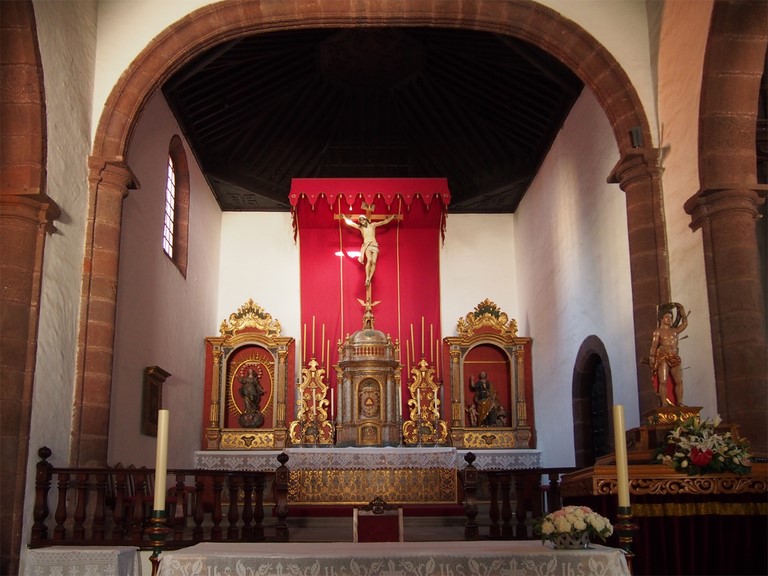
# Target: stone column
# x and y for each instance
(637, 173)
(726, 217)
(24, 220)
(109, 184)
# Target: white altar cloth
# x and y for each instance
(82, 561)
(324, 458)
(476, 558)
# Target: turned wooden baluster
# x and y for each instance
(506, 506)
(258, 533)
(178, 513)
(233, 515)
(97, 528)
(118, 516)
(493, 506)
(81, 484)
(137, 506)
(62, 485)
(218, 486)
(197, 531)
(469, 482)
(247, 532)
(43, 475)
(282, 476)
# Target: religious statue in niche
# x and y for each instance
(667, 372)
(251, 392)
(370, 400)
(485, 410)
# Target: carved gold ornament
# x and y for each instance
(487, 314)
(251, 315)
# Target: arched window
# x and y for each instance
(176, 217)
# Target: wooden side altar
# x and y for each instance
(714, 523)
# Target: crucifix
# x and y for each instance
(369, 251)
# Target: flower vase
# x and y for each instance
(570, 541)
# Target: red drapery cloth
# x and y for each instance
(406, 282)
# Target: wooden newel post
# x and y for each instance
(469, 480)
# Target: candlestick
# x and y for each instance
(622, 469)
(418, 402)
(161, 459)
(313, 337)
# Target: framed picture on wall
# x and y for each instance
(152, 398)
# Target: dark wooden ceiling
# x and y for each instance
(476, 108)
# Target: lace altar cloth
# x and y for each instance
(498, 558)
(366, 459)
(81, 561)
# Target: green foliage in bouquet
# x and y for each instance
(695, 447)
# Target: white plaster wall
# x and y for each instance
(574, 279)
(162, 318)
(260, 261)
(684, 29)
(67, 35)
(477, 262)
(126, 26)
(67, 40)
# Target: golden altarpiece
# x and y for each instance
(248, 367)
(491, 382)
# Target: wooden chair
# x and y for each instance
(377, 521)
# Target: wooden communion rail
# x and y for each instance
(112, 506)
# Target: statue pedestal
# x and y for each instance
(661, 421)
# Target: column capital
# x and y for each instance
(39, 208)
(724, 198)
(634, 166)
(113, 172)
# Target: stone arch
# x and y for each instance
(220, 22)
(591, 353)
(726, 208)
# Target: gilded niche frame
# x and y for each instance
(487, 330)
(249, 345)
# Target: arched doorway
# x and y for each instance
(592, 391)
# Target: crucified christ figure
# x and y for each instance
(369, 251)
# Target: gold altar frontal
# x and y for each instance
(394, 485)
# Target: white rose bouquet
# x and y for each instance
(574, 522)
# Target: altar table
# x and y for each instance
(82, 561)
(387, 559)
(331, 475)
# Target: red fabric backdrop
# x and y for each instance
(407, 279)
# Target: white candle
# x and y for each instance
(622, 469)
(161, 459)
(332, 404)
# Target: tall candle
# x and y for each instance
(431, 342)
(422, 336)
(437, 358)
(332, 409)
(622, 469)
(322, 344)
(304, 346)
(161, 459)
(413, 347)
(313, 337)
